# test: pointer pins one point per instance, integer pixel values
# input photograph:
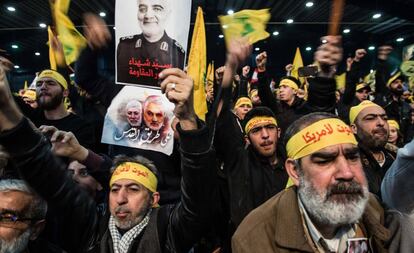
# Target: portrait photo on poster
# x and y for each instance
(140, 118)
(150, 36)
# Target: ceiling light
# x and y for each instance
(37, 54)
(308, 48)
(347, 30)
(11, 8)
(275, 33)
(371, 48)
(14, 46)
(16, 66)
(230, 12)
(324, 41)
(225, 26)
(114, 28)
(309, 4)
(400, 39)
(289, 21)
(376, 15)
(221, 36)
(102, 14)
(42, 25)
(257, 49)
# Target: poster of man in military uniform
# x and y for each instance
(151, 36)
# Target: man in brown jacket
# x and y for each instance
(329, 208)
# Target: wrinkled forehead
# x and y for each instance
(374, 110)
(164, 3)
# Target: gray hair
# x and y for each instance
(37, 208)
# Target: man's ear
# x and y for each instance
(37, 228)
(354, 128)
(246, 138)
(65, 93)
(292, 170)
(155, 198)
(278, 133)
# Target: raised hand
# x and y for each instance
(178, 88)
(96, 31)
(328, 55)
(65, 143)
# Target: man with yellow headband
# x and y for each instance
(51, 90)
(242, 106)
(135, 222)
(329, 204)
(369, 124)
(389, 88)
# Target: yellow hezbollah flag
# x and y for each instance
(197, 64)
(249, 23)
(297, 63)
(72, 40)
(210, 76)
(52, 58)
(340, 81)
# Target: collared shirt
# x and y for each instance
(337, 244)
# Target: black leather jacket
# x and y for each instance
(176, 232)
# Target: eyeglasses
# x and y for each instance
(9, 218)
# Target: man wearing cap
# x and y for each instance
(51, 90)
(329, 204)
(136, 223)
(369, 124)
(388, 91)
(242, 106)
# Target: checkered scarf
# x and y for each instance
(122, 243)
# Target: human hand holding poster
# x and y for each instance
(151, 36)
(140, 118)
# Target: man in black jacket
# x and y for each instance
(137, 224)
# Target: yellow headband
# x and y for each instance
(289, 83)
(393, 123)
(252, 123)
(55, 75)
(319, 135)
(355, 110)
(393, 78)
(30, 94)
(253, 93)
(243, 101)
(136, 172)
(361, 86)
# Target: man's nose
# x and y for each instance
(121, 197)
(264, 133)
(344, 169)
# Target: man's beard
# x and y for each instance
(131, 221)
(16, 245)
(52, 104)
(328, 207)
(371, 141)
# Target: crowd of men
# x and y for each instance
(281, 166)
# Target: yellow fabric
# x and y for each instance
(319, 135)
(407, 68)
(243, 101)
(289, 183)
(297, 63)
(340, 81)
(355, 110)
(25, 86)
(246, 23)
(210, 76)
(393, 78)
(136, 172)
(30, 94)
(55, 75)
(393, 123)
(52, 57)
(253, 93)
(289, 83)
(197, 65)
(253, 122)
(360, 86)
(72, 40)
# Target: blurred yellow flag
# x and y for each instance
(340, 81)
(297, 63)
(52, 58)
(72, 40)
(197, 62)
(249, 23)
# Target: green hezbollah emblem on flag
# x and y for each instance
(246, 23)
